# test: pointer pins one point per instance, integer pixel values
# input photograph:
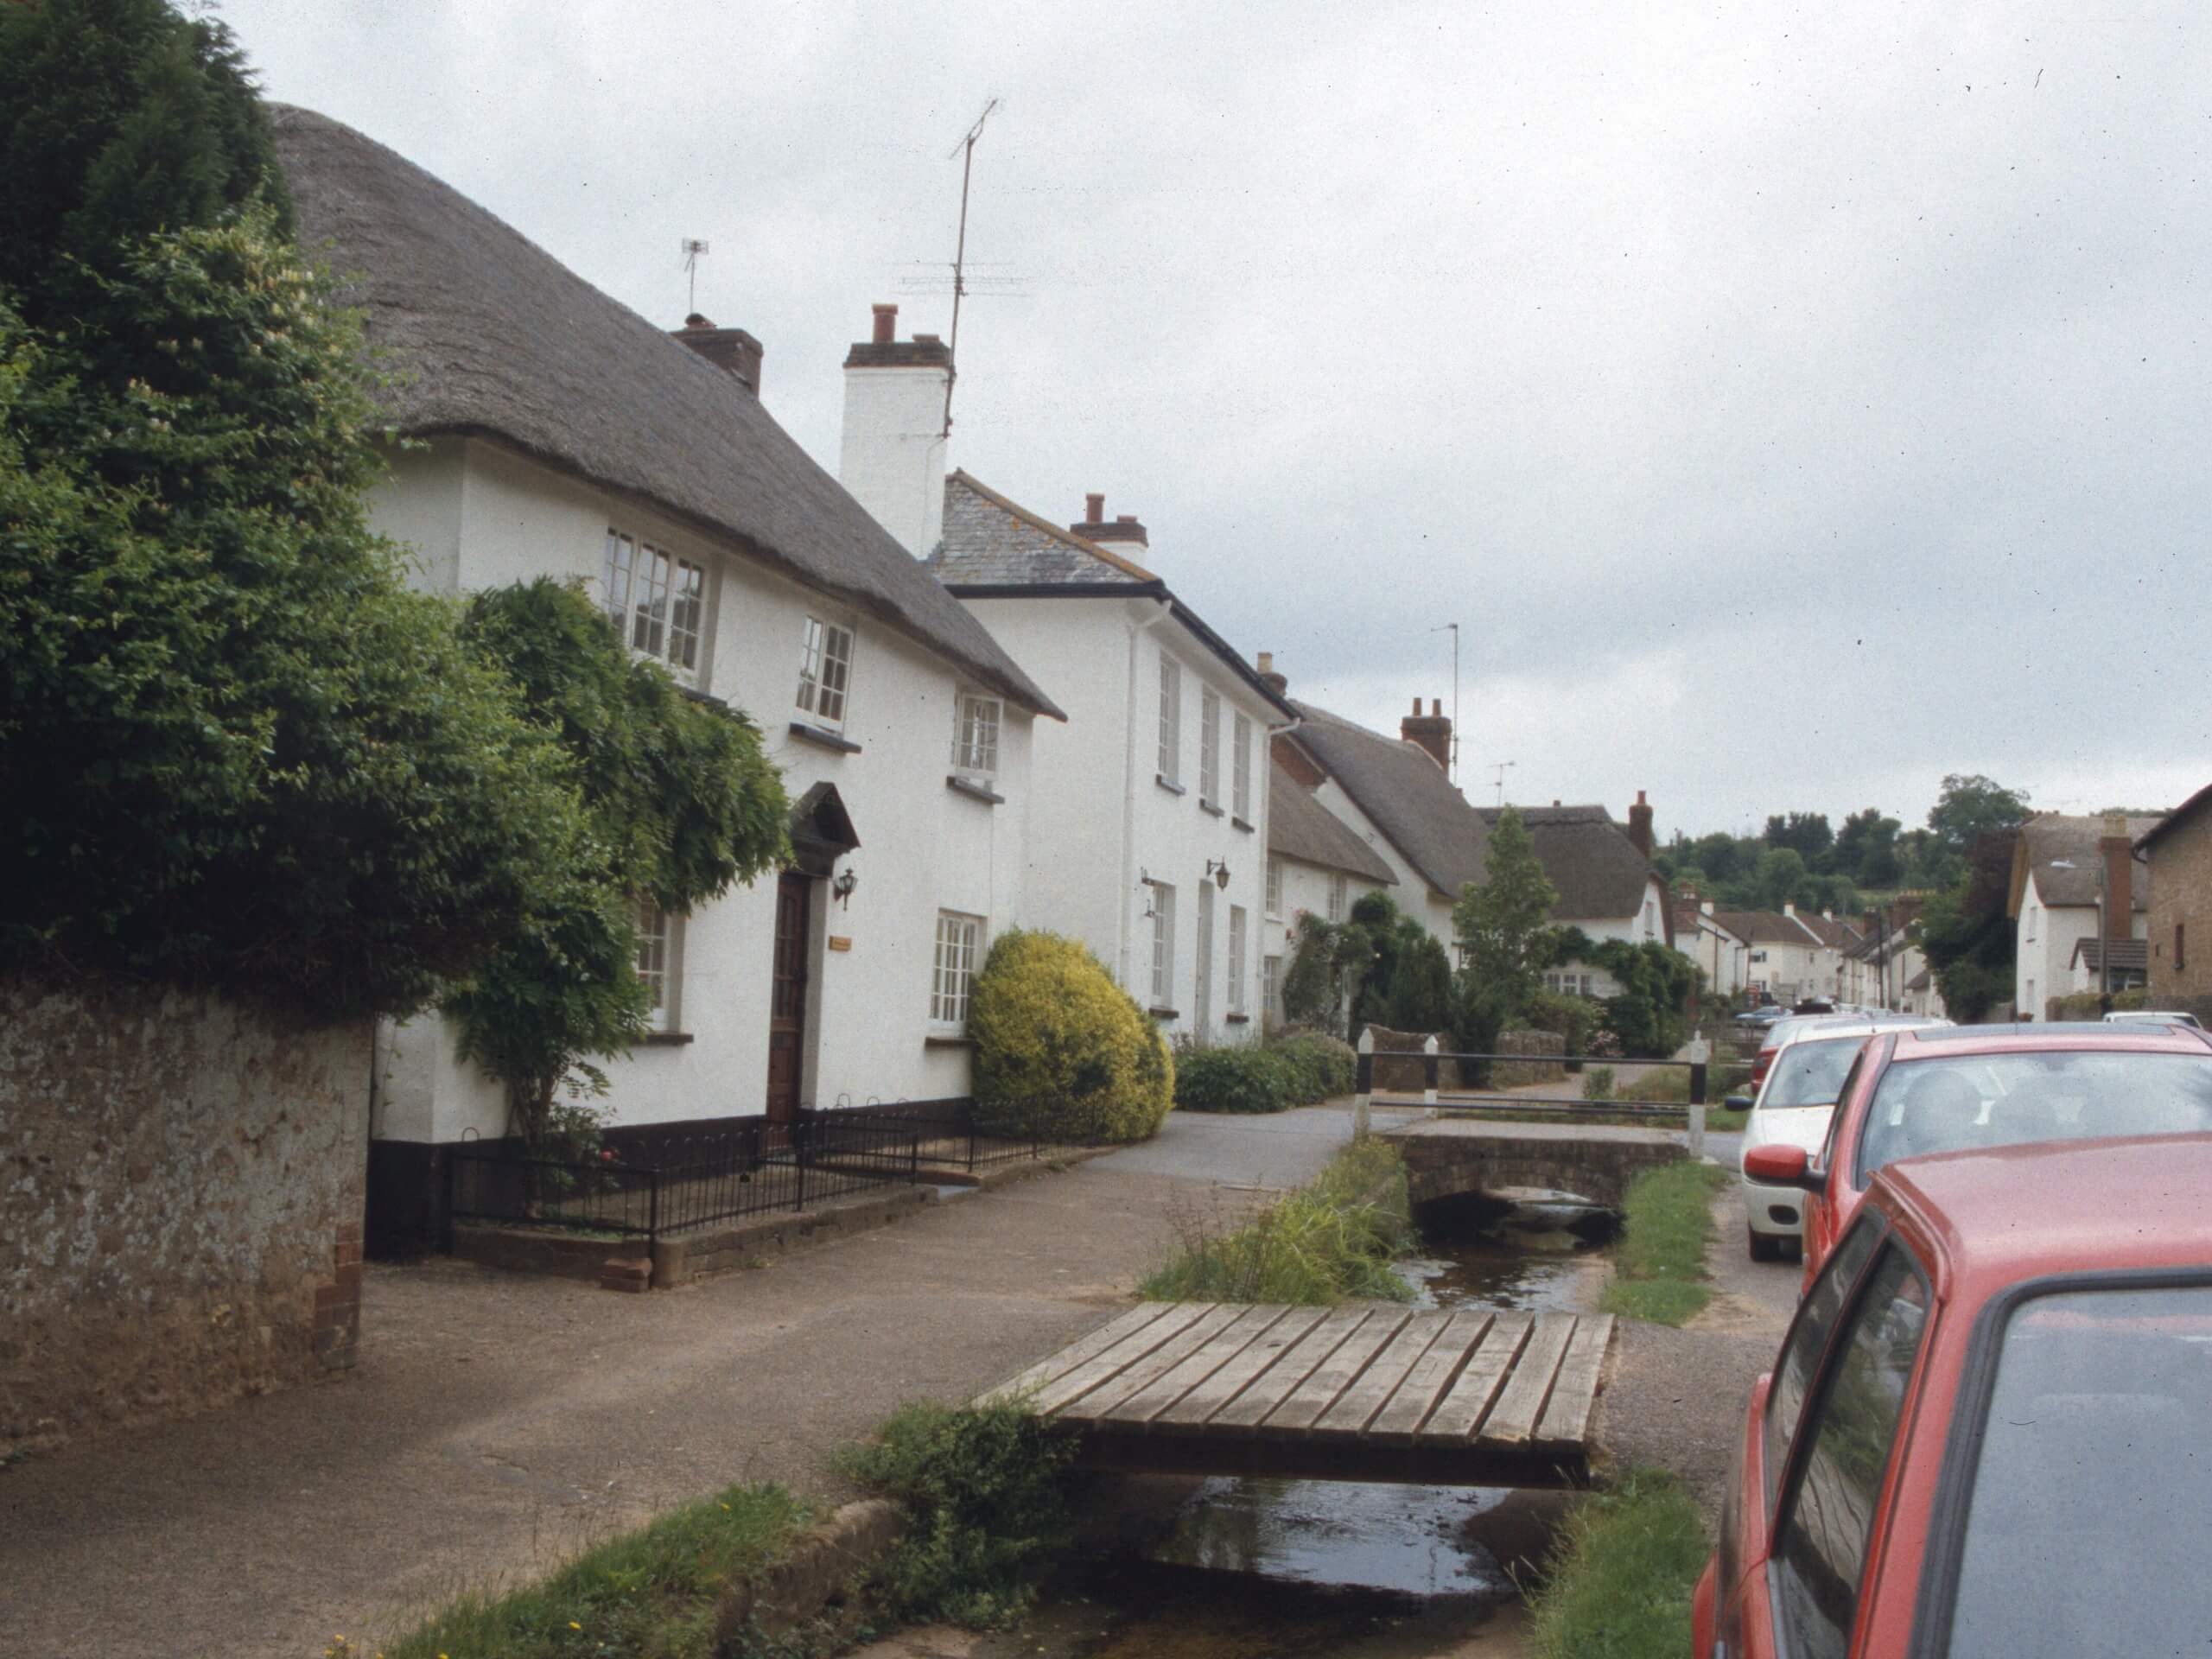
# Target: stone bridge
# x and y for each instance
(1446, 1157)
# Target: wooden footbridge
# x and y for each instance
(1479, 1397)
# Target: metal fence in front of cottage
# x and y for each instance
(677, 1183)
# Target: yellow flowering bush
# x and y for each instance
(1062, 1052)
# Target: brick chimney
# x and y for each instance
(1433, 731)
(891, 457)
(1122, 528)
(731, 349)
(1274, 682)
(2120, 877)
(1639, 825)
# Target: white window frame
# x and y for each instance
(1274, 887)
(659, 601)
(825, 673)
(1237, 932)
(1339, 897)
(1171, 718)
(1208, 748)
(660, 945)
(1271, 987)
(1240, 777)
(975, 720)
(1163, 945)
(952, 971)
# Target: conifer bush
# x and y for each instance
(1062, 1052)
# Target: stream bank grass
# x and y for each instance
(653, 1593)
(1621, 1574)
(1659, 1264)
(1331, 1239)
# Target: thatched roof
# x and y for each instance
(2065, 854)
(497, 338)
(1600, 874)
(1405, 793)
(1300, 827)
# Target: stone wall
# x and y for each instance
(1548, 1067)
(1396, 1074)
(181, 1192)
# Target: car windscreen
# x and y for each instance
(2086, 1530)
(1969, 1101)
(1810, 1073)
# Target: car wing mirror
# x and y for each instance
(1739, 1102)
(1775, 1166)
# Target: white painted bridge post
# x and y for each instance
(1428, 1093)
(1364, 1099)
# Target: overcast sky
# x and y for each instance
(1791, 405)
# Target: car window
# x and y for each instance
(1810, 1073)
(2103, 1401)
(2008, 1100)
(1820, 1549)
(1802, 1348)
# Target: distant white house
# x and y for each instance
(1699, 934)
(1607, 888)
(1792, 955)
(1316, 866)
(2063, 868)
(558, 434)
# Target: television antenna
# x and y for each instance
(1501, 768)
(1454, 628)
(966, 150)
(694, 250)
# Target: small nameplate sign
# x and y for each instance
(837, 943)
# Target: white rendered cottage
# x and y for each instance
(1147, 811)
(1607, 888)
(557, 433)
(1316, 866)
(2063, 868)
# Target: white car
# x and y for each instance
(2149, 1016)
(1796, 1097)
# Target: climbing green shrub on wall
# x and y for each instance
(1062, 1052)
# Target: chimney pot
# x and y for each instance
(1125, 517)
(1433, 733)
(694, 321)
(1416, 707)
(929, 340)
(886, 324)
(732, 350)
(2120, 877)
(1436, 707)
(1274, 682)
(1094, 509)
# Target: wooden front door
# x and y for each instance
(787, 1004)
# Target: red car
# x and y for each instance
(1958, 1088)
(1989, 1427)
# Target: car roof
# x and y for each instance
(1999, 1216)
(2140, 1037)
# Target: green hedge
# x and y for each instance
(1062, 1052)
(1299, 1070)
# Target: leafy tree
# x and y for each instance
(1971, 806)
(1968, 937)
(120, 119)
(1867, 849)
(1500, 921)
(1781, 880)
(1406, 984)
(1805, 833)
(679, 804)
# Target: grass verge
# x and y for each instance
(1660, 1261)
(1621, 1573)
(1331, 1239)
(654, 1594)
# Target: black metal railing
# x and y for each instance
(1432, 1067)
(677, 1183)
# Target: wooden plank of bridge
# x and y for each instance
(1311, 1398)
(1359, 1403)
(1193, 1410)
(1244, 1414)
(1149, 1401)
(1140, 1373)
(1110, 1362)
(1058, 1365)
(1567, 1416)
(1512, 1420)
(1454, 1419)
(1435, 1372)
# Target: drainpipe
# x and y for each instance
(1163, 609)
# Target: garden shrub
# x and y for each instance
(1062, 1052)
(1234, 1080)
(985, 1488)
(1328, 1067)
(1597, 1083)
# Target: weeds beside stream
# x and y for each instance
(1660, 1261)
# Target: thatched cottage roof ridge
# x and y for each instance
(492, 336)
(1405, 793)
(1300, 827)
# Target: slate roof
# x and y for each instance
(1402, 789)
(1300, 827)
(1598, 872)
(990, 541)
(2063, 854)
(1837, 935)
(2127, 954)
(494, 337)
(1765, 927)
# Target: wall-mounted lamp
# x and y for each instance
(844, 886)
(1219, 870)
(1145, 886)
